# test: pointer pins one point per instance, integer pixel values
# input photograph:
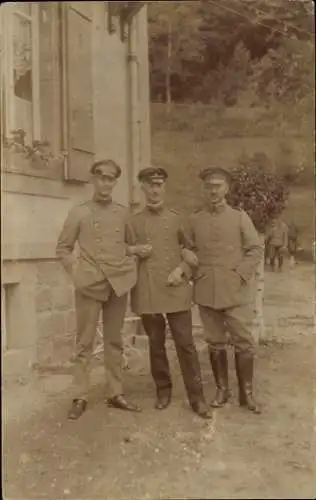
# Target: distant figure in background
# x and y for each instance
(292, 242)
(266, 249)
(277, 238)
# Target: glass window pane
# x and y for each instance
(22, 76)
(22, 58)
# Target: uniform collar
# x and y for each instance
(218, 208)
(157, 209)
(102, 199)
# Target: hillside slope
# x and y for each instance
(187, 140)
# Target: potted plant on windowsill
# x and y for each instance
(20, 157)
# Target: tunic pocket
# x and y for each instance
(86, 275)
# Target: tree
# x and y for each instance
(224, 84)
(174, 42)
(199, 37)
(285, 75)
(258, 190)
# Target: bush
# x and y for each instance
(258, 190)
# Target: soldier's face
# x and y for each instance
(103, 183)
(154, 191)
(215, 189)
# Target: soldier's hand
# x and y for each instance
(241, 279)
(70, 266)
(189, 257)
(142, 251)
(175, 278)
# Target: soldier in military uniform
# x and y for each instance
(228, 250)
(163, 288)
(102, 276)
(277, 236)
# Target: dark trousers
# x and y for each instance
(181, 328)
(276, 253)
(266, 251)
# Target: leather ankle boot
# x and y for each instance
(244, 371)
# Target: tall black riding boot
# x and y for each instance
(218, 359)
(244, 371)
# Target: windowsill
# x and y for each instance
(17, 163)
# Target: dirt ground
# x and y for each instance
(109, 454)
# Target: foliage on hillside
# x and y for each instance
(196, 42)
(250, 53)
(234, 74)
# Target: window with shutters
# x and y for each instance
(21, 60)
(46, 73)
(78, 89)
(30, 78)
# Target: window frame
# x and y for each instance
(10, 10)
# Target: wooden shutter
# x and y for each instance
(78, 54)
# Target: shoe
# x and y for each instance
(162, 402)
(244, 371)
(218, 359)
(120, 403)
(201, 409)
(78, 407)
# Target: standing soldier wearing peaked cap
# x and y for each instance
(228, 250)
(102, 278)
(162, 289)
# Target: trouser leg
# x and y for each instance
(181, 329)
(87, 313)
(113, 319)
(280, 258)
(292, 246)
(272, 257)
(239, 320)
(215, 335)
(155, 328)
(267, 253)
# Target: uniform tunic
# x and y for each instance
(102, 277)
(229, 250)
(100, 230)
(164, 231)
(278, 235)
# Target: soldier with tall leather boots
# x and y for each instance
(228, 249)
(102, 276)
(163, 290)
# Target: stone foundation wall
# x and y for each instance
(40, 316)
(55, 314)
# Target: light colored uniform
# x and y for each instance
(102, 277)
(229, 250)
(278, 242)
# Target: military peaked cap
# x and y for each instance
(153, 174)
(106, 167)
(210, 171)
